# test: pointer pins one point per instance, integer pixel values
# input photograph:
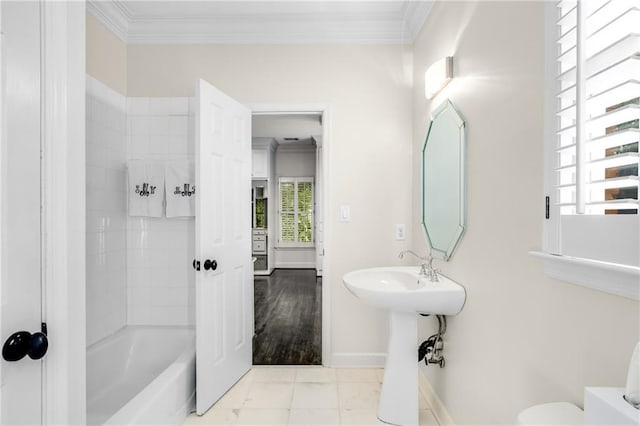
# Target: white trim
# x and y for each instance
(63, 77)
(439, 410)
(324, 109)
(3, 137)
(358, 360)
(551, 226)
(399, 27)
(296, 148)
(112, 16)
(415, 16)
(612, 278)
(295, 265)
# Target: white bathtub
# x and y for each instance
(141, 375)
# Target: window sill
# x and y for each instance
(284, 246)
(612, 278)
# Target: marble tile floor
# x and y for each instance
(302, 396)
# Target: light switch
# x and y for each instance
(345, 213)
(401, 232)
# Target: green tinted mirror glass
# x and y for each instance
(444, 181)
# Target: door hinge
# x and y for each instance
(546, 207)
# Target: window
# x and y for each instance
(261, 213)
(296, 211)
(598, 106)
(592, 132)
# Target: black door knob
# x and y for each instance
(23, 343)
(210, 265)
(39, 345)
(196, 264)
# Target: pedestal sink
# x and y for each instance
(406, 294)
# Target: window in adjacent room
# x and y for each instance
(296, 211)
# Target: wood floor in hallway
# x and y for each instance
(288, 318)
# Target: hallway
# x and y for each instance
(288, 323)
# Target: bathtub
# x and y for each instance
(141, 375)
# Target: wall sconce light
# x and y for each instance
(438, 76)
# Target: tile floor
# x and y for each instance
(302, 396)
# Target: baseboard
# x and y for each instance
(295, 265)
(437, 407)
(358, 360)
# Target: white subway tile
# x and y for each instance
(138, 276)
(159, 125)
(137, 106)
(178, 144)
(113, 119)
(179, 106)
(95, 155)
(138, 144)
(178, 125)
(177, 274)
(158, 277)
(178, 296)
(95, 177)
(139, 296)
(160, 297)
(159, 144)
(99, 112)
(159, 106)
(139, 125)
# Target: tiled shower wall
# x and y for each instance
(160, 278)
(106, 226)
(138, 269)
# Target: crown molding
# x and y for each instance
(416, 13)
(281, 28)
(113, 15)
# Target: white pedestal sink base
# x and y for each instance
(399, 395)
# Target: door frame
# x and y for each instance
(324, 110)
(62, 26)
(63, 115)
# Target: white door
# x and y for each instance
(224, 283)
(20, 260)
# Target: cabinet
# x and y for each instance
(262, 174)
(263, 158)
(260, 163)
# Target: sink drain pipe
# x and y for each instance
(431, 349)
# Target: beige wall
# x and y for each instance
(106, 56)
(522, 338)
(368, 89)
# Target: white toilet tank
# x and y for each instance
(555, 413)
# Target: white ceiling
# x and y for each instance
(262, 22)
(281, 126)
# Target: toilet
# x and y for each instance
(555, 413)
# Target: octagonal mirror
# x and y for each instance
(444, 181)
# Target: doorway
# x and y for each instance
(288, 235)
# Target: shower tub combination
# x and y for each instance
(141, 375)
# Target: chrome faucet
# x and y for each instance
(426, 265)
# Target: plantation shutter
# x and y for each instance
(305, 212)
(296, 211)
(598, 107)
(287, 212)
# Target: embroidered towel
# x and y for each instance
(146, 188)
(180, 188)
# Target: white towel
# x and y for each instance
(146, 188)
(181, 188)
